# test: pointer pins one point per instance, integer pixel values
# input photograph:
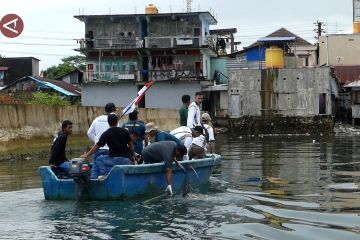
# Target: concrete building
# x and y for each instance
(125, 51)
(298, 52)
(14, 68)
(283, 92)
(339, 49)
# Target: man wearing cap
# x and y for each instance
(152, 131)
(167, 152)
(209, 131)
(134, 125)
(121, 149)
(193, 118)
(98, 127)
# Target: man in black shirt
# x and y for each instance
(121, 149)
(57, 156)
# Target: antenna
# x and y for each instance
(188, 5)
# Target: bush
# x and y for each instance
(43, 98)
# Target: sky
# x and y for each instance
(50, 28)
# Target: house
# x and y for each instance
(74, 77)
(26, 86)
(297, 51)
(14, 68)
(339, 49)
(125, 51)
(302, 92)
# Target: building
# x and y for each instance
(339, 49)
(26, 86)
(302, 92)
(125, 51)
(74, 77)
(298, 52)
(14, 68)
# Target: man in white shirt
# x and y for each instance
(206, 124)
(193, 118)
(98, 127)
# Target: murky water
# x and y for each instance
(274, 187)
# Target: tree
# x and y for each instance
(68, 64)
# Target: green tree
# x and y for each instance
(68, 64)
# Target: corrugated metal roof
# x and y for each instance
(277, 39)
(59, 86)
(353, 84)
(54, 85)
(347, 74)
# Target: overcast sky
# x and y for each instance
(50, 23)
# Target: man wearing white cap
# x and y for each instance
(206, 124)
(152, 130)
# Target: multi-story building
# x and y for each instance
(125, 51)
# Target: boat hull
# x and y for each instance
(128, 181)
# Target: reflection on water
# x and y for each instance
(283, 187)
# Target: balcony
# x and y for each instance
(91, 76)
(112, 43)
(185, 74)
(178, 42)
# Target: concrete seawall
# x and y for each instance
(29, 121)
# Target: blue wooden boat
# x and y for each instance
(128, 181)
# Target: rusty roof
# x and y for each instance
(347, 73)
(283, 32)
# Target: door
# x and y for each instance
(196, 37)
(198, 68)
(235, 105)
(322, 103)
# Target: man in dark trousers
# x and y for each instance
(167, 152)
(134, 125)
(183, 111)
(58, 156)
(121, 149)
(98, 127)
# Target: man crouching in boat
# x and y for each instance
(167, 152)
(121, 149)
(57, 156)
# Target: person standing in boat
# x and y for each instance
(209, 131)
(183, 112)
(134, 125)
(121, 149)
(194, 113)
(152, 131)
(58, 155)
(98, 127)
(167, 152)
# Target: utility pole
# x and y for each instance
(188, 5)
(319, 29)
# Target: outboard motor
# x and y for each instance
(80, 172)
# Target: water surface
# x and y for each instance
(270, 187)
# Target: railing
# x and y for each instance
(112, 43)
(150, 42)
(186, 74)
(178, 42)
(94, 76)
